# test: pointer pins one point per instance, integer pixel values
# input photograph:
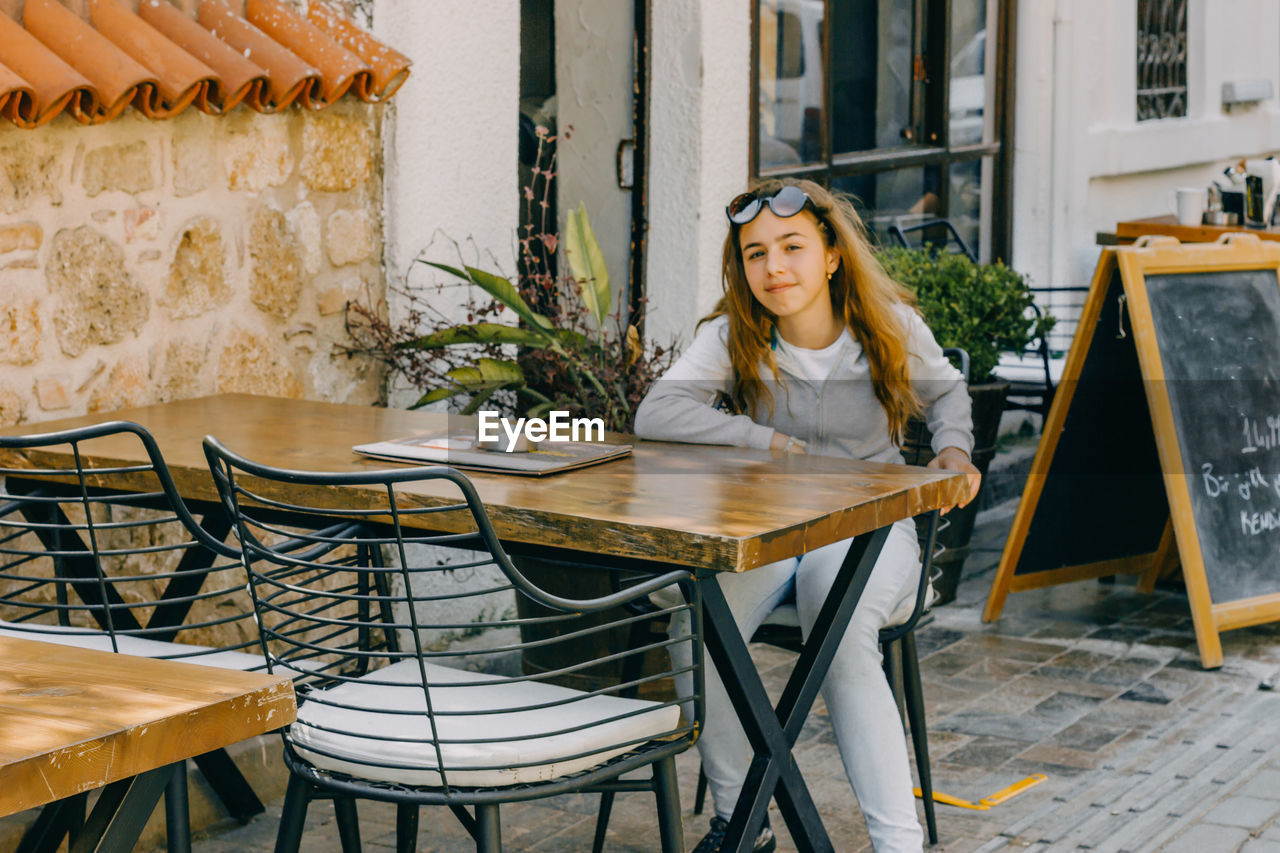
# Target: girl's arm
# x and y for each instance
(941, 390)
(947, 407)
(679, 405)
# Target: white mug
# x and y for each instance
(1189, 204)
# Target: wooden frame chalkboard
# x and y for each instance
(1162, 447)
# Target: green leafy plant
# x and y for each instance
(983, 308)
(570, 350)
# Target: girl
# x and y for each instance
(825, 354)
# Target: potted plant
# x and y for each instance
(984, 309)
(567, 350)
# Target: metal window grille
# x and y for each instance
(1162, 59)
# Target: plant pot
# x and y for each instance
(575, 581)
(954, 534)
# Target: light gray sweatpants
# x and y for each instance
(863, 713)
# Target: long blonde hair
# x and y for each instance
(861, 293)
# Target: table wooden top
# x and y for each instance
(1168, 226)
(75, 719)
(724, 508)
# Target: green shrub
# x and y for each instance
(983, 308)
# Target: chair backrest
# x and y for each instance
(927, 528)
(464, 675)
(939, 233)
(98, 553)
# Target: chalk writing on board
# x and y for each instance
(1261, 434)
(1253, 523)
(1243, 483)
(1252, 484)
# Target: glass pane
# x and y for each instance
(903, 197)
(969, 203)
(871, 74)
(972, 88)
(790, 82)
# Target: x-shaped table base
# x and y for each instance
(772, 732)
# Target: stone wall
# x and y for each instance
(143, 261)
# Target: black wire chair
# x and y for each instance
(103, 555)
(451, 712)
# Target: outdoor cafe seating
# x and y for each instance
(130, 571)
(353, 578)
(417, 722)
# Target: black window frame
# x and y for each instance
(927, 144)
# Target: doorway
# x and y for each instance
(583, 76)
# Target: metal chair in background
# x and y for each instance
(929, 231)
(450, 713)
(108, 556)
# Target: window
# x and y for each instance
(1162, 59)
(899, 103)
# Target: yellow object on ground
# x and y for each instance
(1013, 790)
(987, 802)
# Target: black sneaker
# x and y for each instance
(714, 839)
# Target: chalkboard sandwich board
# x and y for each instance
(1162, 447)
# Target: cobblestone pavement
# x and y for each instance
(1091, 684)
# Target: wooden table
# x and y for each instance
(711, 508)
(73, 719)
(1131, 230)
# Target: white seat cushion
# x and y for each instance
(87, 638)
(342, 739)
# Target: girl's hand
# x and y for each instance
(786, 443)
(955, 459)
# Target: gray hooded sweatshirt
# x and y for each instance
(837, 416)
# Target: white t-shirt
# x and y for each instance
(816, 364)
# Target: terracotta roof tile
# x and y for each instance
(54, 84)
(162, 61)
(181, 78)
(390, 67)
(115, 77)
(289, 77)
(340, 69)
(236, 77)
(16, 97)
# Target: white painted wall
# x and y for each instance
(1083, 162)
(699, 134)
(451, 137)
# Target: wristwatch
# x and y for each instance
(793, 445)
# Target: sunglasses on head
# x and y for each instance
(786, 202)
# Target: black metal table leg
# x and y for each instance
(56, 821)
(121, 812)
(772, 732)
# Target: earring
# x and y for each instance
(828, 276)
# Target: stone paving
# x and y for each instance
(1091, 684)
